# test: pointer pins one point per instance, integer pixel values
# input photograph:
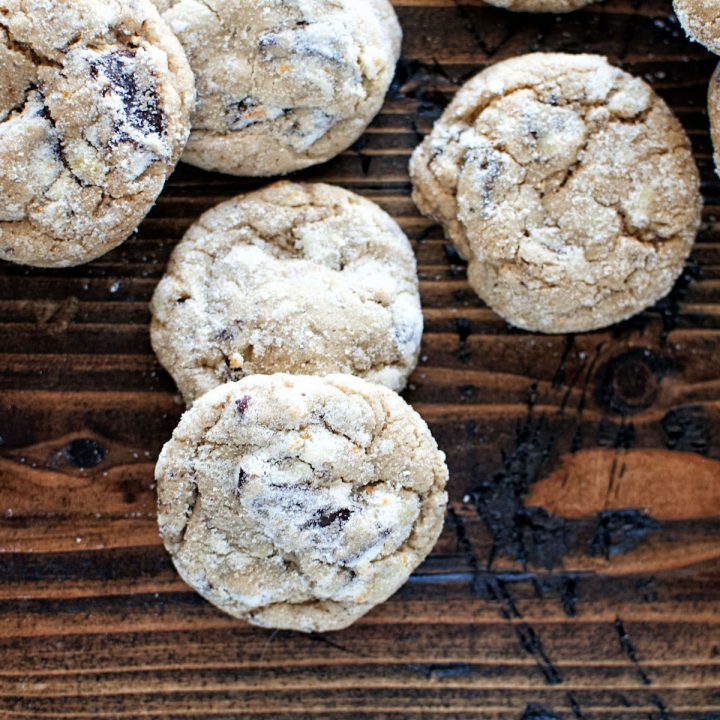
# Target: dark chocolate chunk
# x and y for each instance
(240, 113)
(226, 335)
(267, 40)
(491, 169)
(44, 112)
(141, 104)
(242, 404)
(323, 518)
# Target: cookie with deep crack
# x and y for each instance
(701, 21)
(714, 115)
(300, 502)
(568, 185)
(283, 85)
(540, 6)
(301, 278)
(95, 102)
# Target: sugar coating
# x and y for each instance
(303, 278)
(95, 100)
(283, 85)
(568, 185)
(714, 115)
(300, 502)
(540, 6)
(701, 21)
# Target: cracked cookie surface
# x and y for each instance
(701, 21)
(300, 502)
(283, 85)
(568, 185)
(303, 278)
(95, 101)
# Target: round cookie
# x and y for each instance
(283, 85)
(301, 278)
(714, 115)
(568, 185)
(701, 21)
(95, 101)
(300, 502)
(540, 6)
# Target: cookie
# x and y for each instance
(95, 102)
(568, 185)
(301, 278)
(714, 115)
(701, 21)
(540, 6)
(300, 502)
(283, 85)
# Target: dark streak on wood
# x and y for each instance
(629, 650)
(575, 707)
(620, 531)
(537, 712)
(664, 711)
(533, 645)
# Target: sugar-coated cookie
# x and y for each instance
(95, 103)
(300, 502)
(701, 21)
(568, 185)
(302, 278)
(283, 85)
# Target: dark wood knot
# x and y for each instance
(84, 453)
(630, 382)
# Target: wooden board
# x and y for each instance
(578, 575)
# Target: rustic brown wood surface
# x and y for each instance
(578, 575)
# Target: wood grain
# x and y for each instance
(578, 575)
